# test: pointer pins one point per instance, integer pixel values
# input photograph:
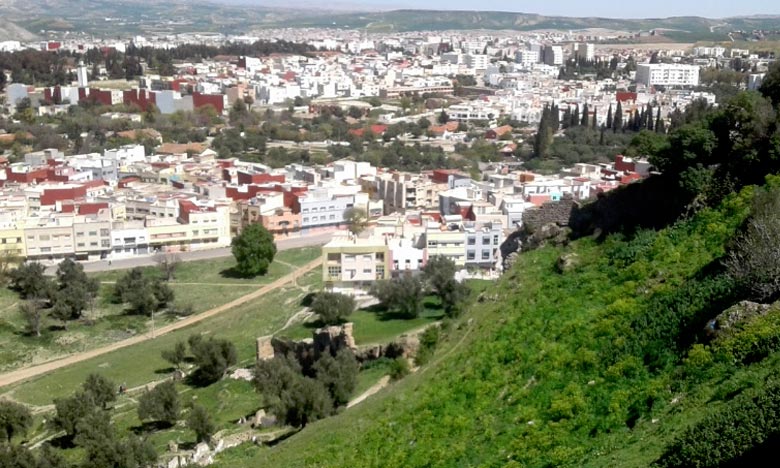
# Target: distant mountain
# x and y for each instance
(109, 17)
(13, 32)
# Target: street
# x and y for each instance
(310, 240)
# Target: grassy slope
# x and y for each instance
(533, 379)
(108, 322)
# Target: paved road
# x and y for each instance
(34, 371)
(286, 243)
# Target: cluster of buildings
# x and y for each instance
(516, 73)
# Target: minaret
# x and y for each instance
(81, 75)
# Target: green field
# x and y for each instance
(373, 326)
(201, 285)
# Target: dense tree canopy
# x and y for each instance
(254, 250)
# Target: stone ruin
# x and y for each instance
(333, 339)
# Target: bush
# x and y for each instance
(754, 263)
(402, 295)
(213, 357)
(399, 368)
(160, 404)
(332, 307)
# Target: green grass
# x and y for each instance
(374, 326)
(139, 364)
(108, 322)
(548, 370)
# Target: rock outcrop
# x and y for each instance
(739, 313)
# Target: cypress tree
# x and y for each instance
(609, 116)
(601, 137)
(584, 120)
(617, 119)
(575, 116)
(649, 117)
(555, 118)
(566, 121)
(595, 119)
(659, 124)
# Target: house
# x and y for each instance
(498, 132)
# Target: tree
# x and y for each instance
(439, 274)
(338, 374)
(70, 411)
(144, 295)
(332, 307)
(75, 290)
(754, 262)
(8, 261)
(177, 355)
(374, 101)
(443, 117)
(356, 220)
(354, 112)
(101, 390)
(199, 421)
(402, 295)
(167, 262)
(15, 419)
(584, 119)
(291, 397)
(254, 250)
(160, 404)
(32, 313)
(609, 116)
(594, 121)
(213, 357)
(103, 447)
(30, 281)
(770, 85)
(617, 120)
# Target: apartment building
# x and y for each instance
(667, 74)
(351, 264)
(402, 191)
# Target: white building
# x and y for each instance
(477, 61)
(553, 55)
(666, 74)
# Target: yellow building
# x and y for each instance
(350, 263)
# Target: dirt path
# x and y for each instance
(382, 383)
(29, 372)
(174, 283)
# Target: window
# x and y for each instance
(332, 217)
(45, 249)
(367, 258)
(80, 244)
(367, 271)
(470, 255)
(44, 237)
(334, 271)
(104, 232)
(495, 239)
(485, 240)
(472, 240)
(332, 257)
(93, 233)
(305, 220)
(105, 243)
(485, 255)
(431, 243)
(79, 234)
(380, 272)
(305, 210)
(93, 244)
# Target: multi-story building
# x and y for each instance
(402, 191)
(667, 74)
(482, 244)
(553, 55)
(351, 264)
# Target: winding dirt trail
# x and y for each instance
(34, 371)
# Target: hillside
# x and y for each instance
(613, 360)
(105, 17)
(12, 32)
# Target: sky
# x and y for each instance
(604, 8)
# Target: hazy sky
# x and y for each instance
(613, 9)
